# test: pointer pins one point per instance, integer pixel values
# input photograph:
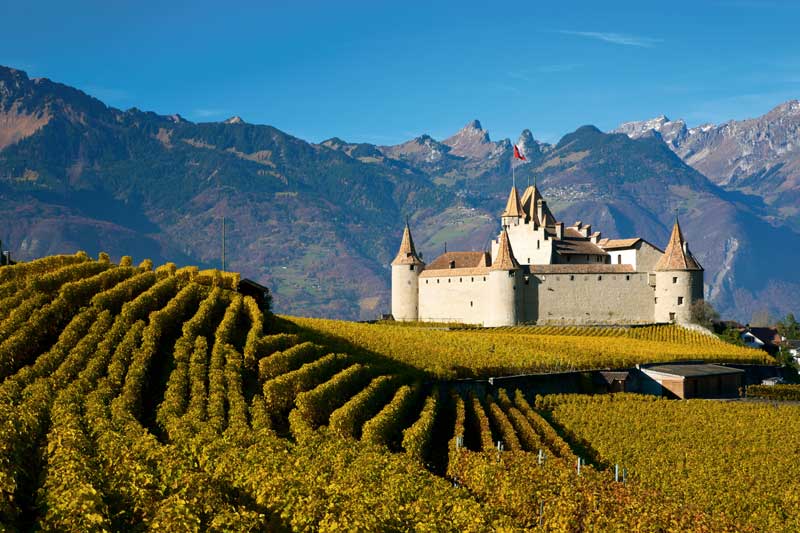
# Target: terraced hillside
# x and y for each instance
(473, 352)
(137, 399)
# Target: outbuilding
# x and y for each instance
(692, 380)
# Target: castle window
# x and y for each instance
(472, 279)
(627, 278)
(470, 303)
(484, 278)
(449, 280)
(656, 299)
(672, 317)
(412, 267)
(680, 300)
(572, 278)
(675, 279)
(461, 280)
(619, 259)
(437, 281)
(529, 260)
(537, 244)
(426, 282)
(599, 278)
(452, 264)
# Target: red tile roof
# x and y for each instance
(505, 259)
(616, 244)
(407, 254)
(677, 255)
(513, 205)
(581, 269)
(459, 260)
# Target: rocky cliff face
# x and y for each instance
(319, 223)
(759, 156)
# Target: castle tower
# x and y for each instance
(406, 269)
(504, 276)
(513, 213)
(679, 280)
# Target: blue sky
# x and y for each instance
(384, 72)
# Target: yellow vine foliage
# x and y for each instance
(490, 352)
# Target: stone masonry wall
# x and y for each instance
(614, 299)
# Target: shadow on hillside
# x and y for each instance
(336, 344)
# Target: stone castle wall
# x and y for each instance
(675, 293)
(405, 292)
(456, 298)
(614, 299)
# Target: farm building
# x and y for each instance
(686, 381)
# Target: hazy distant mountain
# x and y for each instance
(319, 223)
(759, 156)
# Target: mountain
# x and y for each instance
(759, 156)
(75, 173)
(319, 223)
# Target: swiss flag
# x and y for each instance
(518, 155)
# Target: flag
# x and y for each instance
(518, 155)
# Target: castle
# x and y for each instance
(541, 271)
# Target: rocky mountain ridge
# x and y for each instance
(319, 223)
(758, 156)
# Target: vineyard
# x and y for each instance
(775, 392)
(142, 399)
(744, 464)
(525, 349)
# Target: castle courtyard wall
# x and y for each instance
(582, 299)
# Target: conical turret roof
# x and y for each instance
(505, 256)
(529, 201)
(513, 206)
(407, 255)
(677, 255)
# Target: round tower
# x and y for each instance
(679, 281)
(503, 286)
(406, 269)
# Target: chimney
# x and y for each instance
(595, 237)
(559, 230)
(586, 230)
(540, 211)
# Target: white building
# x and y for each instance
(541, 271)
